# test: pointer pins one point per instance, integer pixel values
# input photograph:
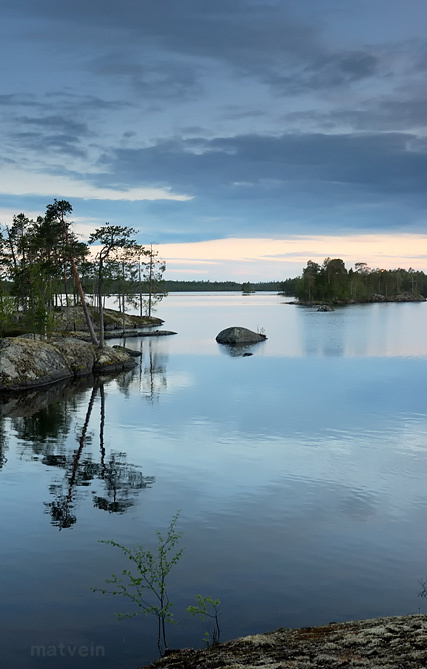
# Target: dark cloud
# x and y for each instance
(56, 143)
(56, 124)
(234, 113)
(386, 114)
(18, 100)
(164, 80)
(381, 163)
(51, 134)
(325, 71)
(275, 116)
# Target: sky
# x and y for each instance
(241, 137)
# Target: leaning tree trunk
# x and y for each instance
(80, 291)
(101, 307)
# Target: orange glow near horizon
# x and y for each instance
(271, 259)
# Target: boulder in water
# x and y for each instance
(238, 335)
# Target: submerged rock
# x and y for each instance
(238, 335)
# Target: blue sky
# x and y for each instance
(203, 122)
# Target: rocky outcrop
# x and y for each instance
(79, 357)
(29, 363)
(372, 298)
(111, 360)
(238, 335)
(325, 307)
(381, 643)
(129, 351)
(72, 318)
(26, 363)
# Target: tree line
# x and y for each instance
(331, 281)
(43, 266)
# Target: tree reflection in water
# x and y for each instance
(42, 420)
(3, 444)
(121, 480)
(153, 378)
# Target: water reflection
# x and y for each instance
(45, 429)
(4, 444)
(152, 373)
(239, 350)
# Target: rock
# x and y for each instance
(27, 363)
(408, 297)
(129, 351)
(109, 359)
(139, 333)
(380, 643)
(325, 307)
(79, 355)
(238, 335)
(72, 318)
(31, 363)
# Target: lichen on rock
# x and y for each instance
(79, 355)
(381, 643)
(27, 363)
(31, 363)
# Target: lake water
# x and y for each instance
(300, 472)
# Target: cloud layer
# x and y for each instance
(197, 121)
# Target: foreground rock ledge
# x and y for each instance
(393, 643)
(28, 363)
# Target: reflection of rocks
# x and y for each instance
(20, 405)
(28, 363)
(238, 351)
(237, 335)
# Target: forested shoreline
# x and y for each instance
(44, 268)
(332, 282)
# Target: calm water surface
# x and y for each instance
(300, 474)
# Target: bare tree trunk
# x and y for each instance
(65, 285)
(150, 281)
(80, 291)
(101, 308)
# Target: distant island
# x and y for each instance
(328, 283)
(332, 283)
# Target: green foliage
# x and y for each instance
(115, 244)
(207, 608)
(333, 283)
(7, 309)
(151, 278)
(145, 586)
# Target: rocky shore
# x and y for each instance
(28, 363)
(368, 299)
(381, 643)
